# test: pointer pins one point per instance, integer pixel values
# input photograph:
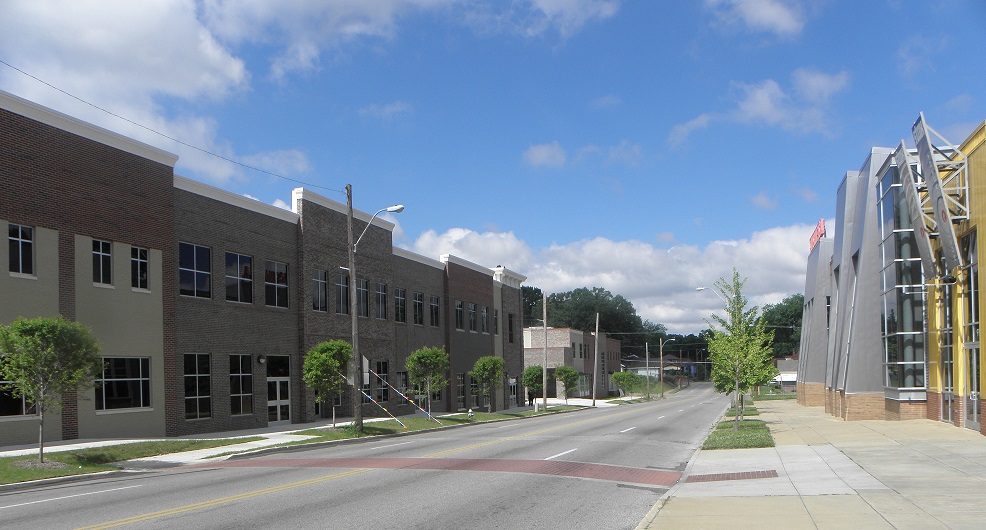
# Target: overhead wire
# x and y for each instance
(173, 139)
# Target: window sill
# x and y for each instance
(140, 290)
(124, 411)
(237, 302)
(103, 285)
(19, 417)
(276, 307)
(23, 276)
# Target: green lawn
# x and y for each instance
(751, 434)
(780, 395)
(100, 458)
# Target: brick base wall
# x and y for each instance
(933, 408)
(864, 407)
(811, 394)
(905, 410)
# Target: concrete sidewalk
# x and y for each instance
(828, 473)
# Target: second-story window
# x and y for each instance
(276, 283)
(484, 320)
(194, 270)
(436, 312)
(400, 305)
(510, 327)
(239, 278)
(419, 308)
(21, 246)
(342, 294)
(496, 321)
(138, 267)
(102, 262)
(472, 317)
(320, 291)
(460, 317)
(363, 297)
(381, 301)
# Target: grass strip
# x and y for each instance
(97, 459)
(751, 434)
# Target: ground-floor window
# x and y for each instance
(512, 385)
(240, 384)
(13, 406)
(383, 388)
(198, 386)
(460, 390)
(126, 383)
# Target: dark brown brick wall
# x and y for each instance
(58, 180)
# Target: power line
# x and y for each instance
(142, 126)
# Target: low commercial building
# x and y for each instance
(571, 347)
(205, 302)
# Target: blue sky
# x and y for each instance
(645, 147)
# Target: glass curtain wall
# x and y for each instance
(970, 332)
(946, 338)
(902, 312)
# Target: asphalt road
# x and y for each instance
(598, 468)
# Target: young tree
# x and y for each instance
(324, 367)
(626, 381)
(428, 368)
(488, 375)
(740, 348)
(568, 377)
(44, 358)
(784, 319)
(532, 378)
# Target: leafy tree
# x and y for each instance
(45, 358)
(531, 297)
(324, 366)
(427, 368)
(533, 378)
(740, 346)
(568, 377)
(488, 375)
(785, 320)
(626, 381)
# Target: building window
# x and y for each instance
(436, 311)
(400, 305)
(21, 242)
(320, 292)
(198, 386)
(383, 388)
(381, 301)
(510, 328)
(239, 278)
(240, 385)
(342, 294)
(402, 384)
(484, 319)
(14, 406)
(460, 319)
(102, 262)
(126, 383)
(275, 283)
(418, 307)
(460, 390)
(496, 321)
(472, 317)
(194, 270)
(138, 267)
(362, 297)
(474, 392)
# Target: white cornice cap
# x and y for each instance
(449, 258)
(235, 199)
(407, 254)
(321, 200)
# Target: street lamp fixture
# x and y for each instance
(355, 371)
(724, 302)
(662, 343)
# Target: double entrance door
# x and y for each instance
(278, 389)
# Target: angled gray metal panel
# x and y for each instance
(815, 318)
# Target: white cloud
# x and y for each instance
(535, 18)
(817, 87)
(918, 54)
(778, 17)
(546, 155)
(764, 201)
(285, 162)
(606, 101)
(626, 153)
(964, 102)
(660, 283)
(806, 194)
(681, 131)
(281, 204)
(386, 111)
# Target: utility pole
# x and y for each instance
(595, 368)
(662, 343)
(544, 370)
(647, 366)
(355, 372)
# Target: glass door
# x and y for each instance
(972, 399)
(278, 389)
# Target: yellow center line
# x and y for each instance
(221, 501)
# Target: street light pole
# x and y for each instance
(355, 365)
(662, 343)
(544, 369)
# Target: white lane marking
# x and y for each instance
(391, 445)
(627, 430)
(561, 454)
(68, 497)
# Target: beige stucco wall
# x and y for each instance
(127, 322)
